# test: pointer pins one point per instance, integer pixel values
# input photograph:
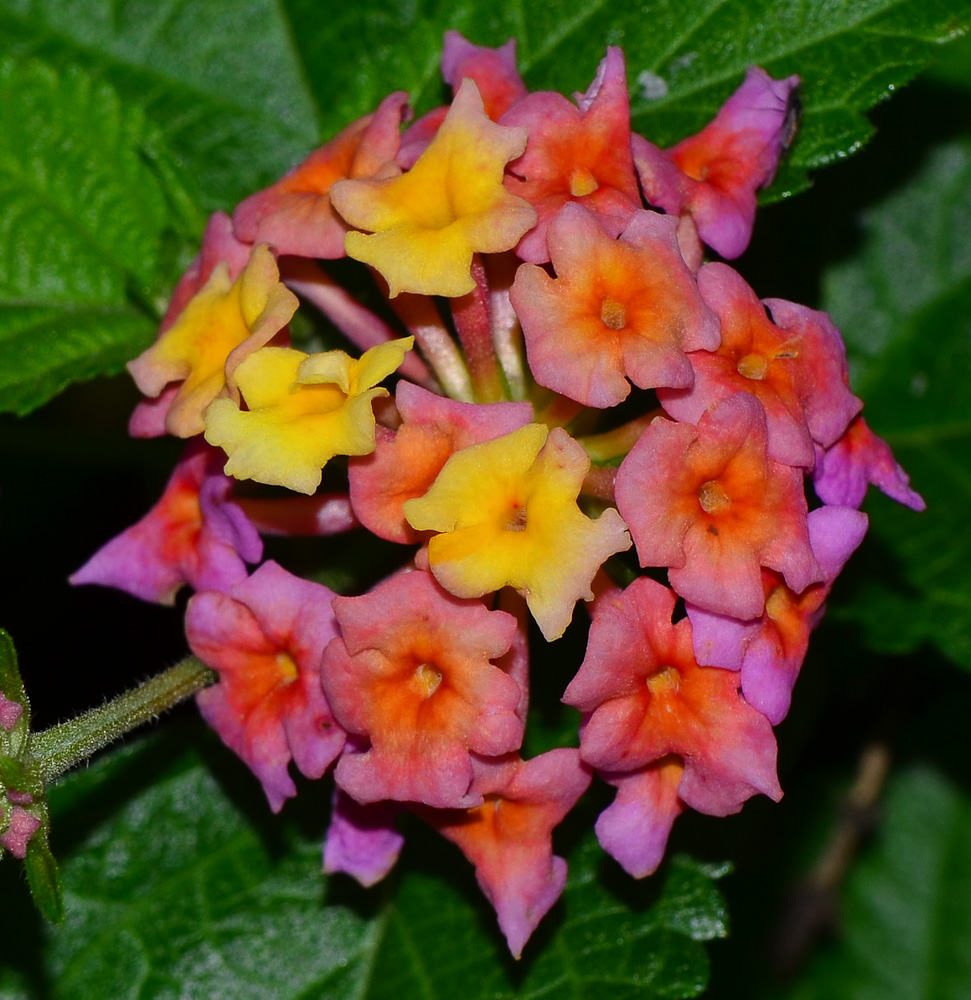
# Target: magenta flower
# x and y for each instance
(635, 827)
(196, 534)
(769, 650)
(858, 458)
(361, 840)
(713, 176)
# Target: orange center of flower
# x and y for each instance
(582, 182)
(425, 680)
(287, 667)
(713, 498)
(666, 680)
(753, 366)
(613, 314)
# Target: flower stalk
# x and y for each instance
(58, 749)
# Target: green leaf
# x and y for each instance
(906, 917)
(44, 875)
(82, 216)
(849, 55)
(178, 882)
(904, 305)
(219, 78)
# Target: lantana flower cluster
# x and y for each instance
(552, 397)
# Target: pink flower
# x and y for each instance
(20, 827)
(265, 639)
(645, 697)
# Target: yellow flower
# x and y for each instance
(303, 410)
(427, 223)
(507, 515)
(222, 322)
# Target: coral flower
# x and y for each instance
(426, 224)
(576, 153)
(627, 307)
(794, 364)
(265, 639)
(646, 697)
(223, 322)
(303, 410)
(706, 502)
(295, 215)
(413, 674)
(508, 837)
(507, 515)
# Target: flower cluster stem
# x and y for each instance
(58, 749)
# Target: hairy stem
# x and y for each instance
(59, 748)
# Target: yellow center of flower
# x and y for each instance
(753, 366)
(777, 602)
(287, 667)
(582, 182)
(713, 498)
(425, 680)
(665, 680)
(613, 314)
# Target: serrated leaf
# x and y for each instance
(906, 916)
(82, 217)
(219, 78)
(904, 305)
(688, 56)
(180, 883)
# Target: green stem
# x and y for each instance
(59, 748)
